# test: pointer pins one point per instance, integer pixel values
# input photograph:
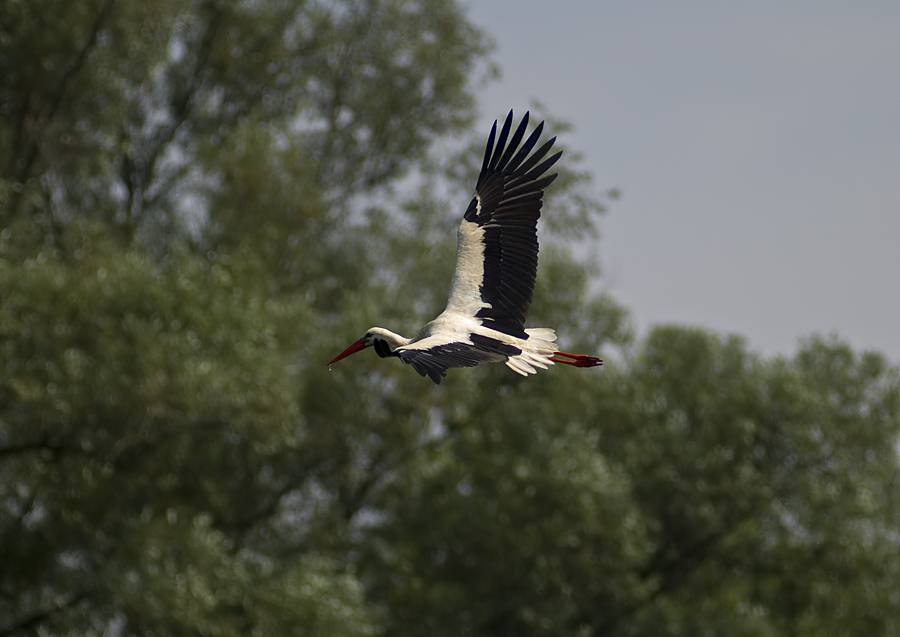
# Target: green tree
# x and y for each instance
(201, 201)
(119, 111)
(176, 181)
(696, 490)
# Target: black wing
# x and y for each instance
(434, 360)
(506, 207)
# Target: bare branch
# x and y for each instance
(33, 445)
(56, 100)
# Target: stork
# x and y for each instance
(496, 266)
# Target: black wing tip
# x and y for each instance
(489, 148)
(507, 125)
(513, 157)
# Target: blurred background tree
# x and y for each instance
(202, 201)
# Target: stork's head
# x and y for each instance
(384, 341)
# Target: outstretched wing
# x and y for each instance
(433, 356)
(496, 263)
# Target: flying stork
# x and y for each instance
(496, 265)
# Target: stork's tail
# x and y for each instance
(537, 351)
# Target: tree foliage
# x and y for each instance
(203, 201)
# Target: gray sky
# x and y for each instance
(756, 145)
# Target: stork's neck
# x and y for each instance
(393, 339)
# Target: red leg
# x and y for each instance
(578, 360)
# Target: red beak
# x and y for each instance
(358, 346)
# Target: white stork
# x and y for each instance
(496, 265)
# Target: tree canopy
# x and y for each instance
(202, 201)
